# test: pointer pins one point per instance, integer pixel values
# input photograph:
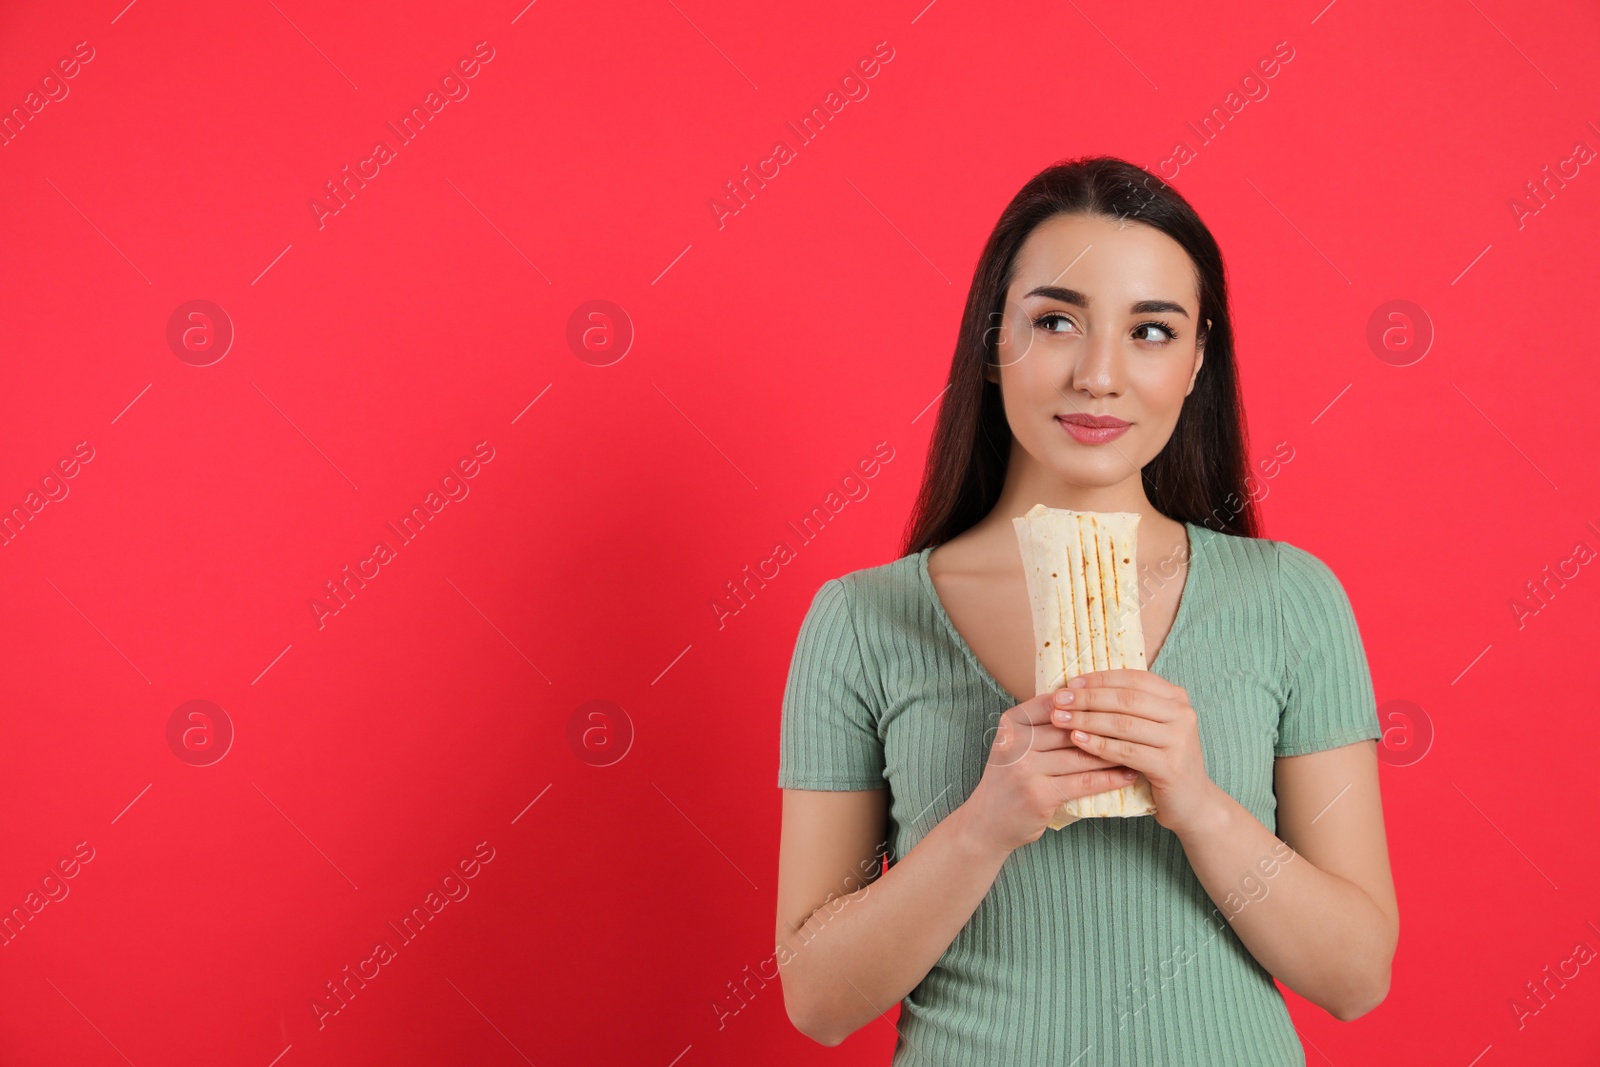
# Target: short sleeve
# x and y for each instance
(829, 738)
(1329, 699)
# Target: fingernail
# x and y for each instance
(1079, 682)
(1130, 774)
(1063, 697)
(1063, 716)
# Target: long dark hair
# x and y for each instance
(1198, 477)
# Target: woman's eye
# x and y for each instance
(1166, 333)
(1047, 320)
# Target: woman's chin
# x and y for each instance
(1090, 477)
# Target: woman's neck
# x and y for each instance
(1028, 484)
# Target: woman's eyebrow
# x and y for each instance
(1072, 296)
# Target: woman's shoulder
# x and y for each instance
(1250, 570)
(1252, 560)
(1266, 558)
(874, 595)
(1299, 581)
(881, 580)
(1306, 583)
(895, 573)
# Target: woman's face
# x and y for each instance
(1100, 320)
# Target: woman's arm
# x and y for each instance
(847, 956)
(1323, 918)
(847, 952)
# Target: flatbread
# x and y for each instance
(1083, 588)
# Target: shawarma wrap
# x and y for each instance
(1083, 586)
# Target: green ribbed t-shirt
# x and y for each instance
(1096, 944)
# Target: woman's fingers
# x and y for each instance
(1071, 760)
(1113, 726)
(1128, 753)
(1031, 728)
(1051, 739)
(1035, 710)
(1125, 677)
(1088, 783)
(1140, 717)
(1141, 703)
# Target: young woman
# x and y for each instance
(1094, 371)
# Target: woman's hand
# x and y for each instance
(1143, 721)
(1032, 769)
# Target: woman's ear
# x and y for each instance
(1199, 357)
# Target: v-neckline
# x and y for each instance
(1184, 596)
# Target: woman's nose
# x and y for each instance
(1099, 366)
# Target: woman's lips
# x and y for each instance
(1092, 435)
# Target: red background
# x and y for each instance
(371, 353)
